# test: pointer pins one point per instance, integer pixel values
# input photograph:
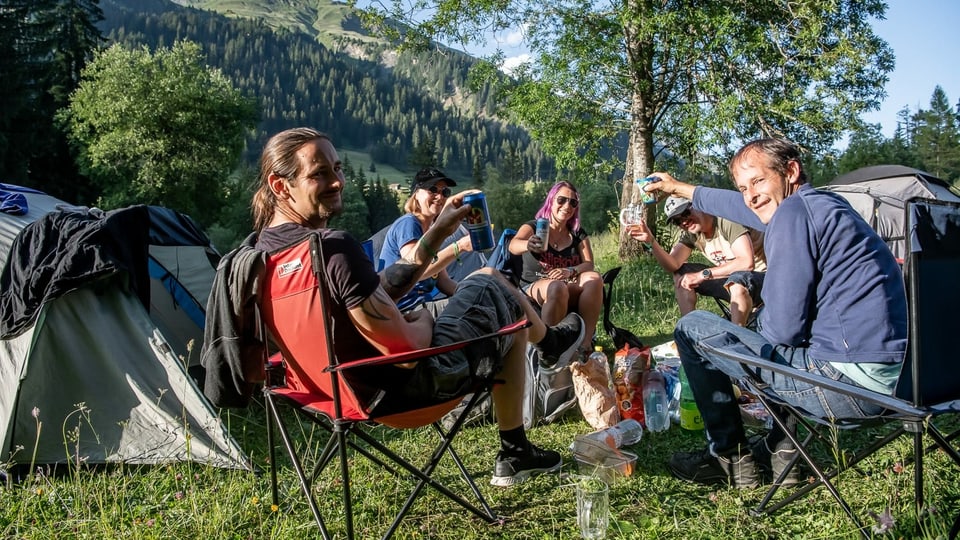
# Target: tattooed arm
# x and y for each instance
(378, 319)
(398, 278)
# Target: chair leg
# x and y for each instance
(944, 442)
(271, 444)
(298, 467)
(822, 477)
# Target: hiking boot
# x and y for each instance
(562, 342)
(704, 467)
(515, 468)
(772, 463)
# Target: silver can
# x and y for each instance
(543, 232)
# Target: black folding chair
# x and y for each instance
(927, 387)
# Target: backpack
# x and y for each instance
(620, 336)
(547, 392)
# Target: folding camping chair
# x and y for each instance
(295, 307)
(926, 388)
(724, 306)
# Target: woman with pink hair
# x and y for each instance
(558, 271)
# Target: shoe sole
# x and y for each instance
(523, 476)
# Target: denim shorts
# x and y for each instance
(481, 305)
(718, 288)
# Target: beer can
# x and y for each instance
(478, 222)
(647, 198)
(543, 231)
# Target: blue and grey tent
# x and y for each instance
(97, 310)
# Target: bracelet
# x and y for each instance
(456, 252)
(427, 249)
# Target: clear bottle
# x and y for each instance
(623, 433)
(598, 357)
(655, 406)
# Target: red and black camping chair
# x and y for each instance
(927, 390)
(295, 308)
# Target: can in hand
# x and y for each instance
(647, 198)
(478, 222)
(543, 232)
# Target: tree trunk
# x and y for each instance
(639, 164)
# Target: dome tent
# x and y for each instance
(79, 335)
(878, 193)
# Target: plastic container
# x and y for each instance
(655, 404)
(609, 466)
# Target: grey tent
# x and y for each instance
(878, 193)
(80, 350)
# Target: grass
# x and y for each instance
(193, 501)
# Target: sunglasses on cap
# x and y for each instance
(444, 192)
(561, 200)
(679, 219)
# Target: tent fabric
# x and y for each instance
(879, 193)
(62, 250)
(127, 400)
(104, 356)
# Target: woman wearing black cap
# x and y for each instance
(428, 193)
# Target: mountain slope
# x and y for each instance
(327, 22)
(382, 103)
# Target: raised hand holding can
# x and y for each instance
(478, 222)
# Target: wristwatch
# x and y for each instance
(707, 274)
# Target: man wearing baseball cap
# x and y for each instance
(736, 252)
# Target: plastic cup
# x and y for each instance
(593, 507)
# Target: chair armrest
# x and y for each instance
(727, 345)
(400, 358)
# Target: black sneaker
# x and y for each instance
(772, 463)
(705, 468)
(514, 469)
(562, 341)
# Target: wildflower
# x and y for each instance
(35, 412)
(898, 467)
(39, 491)
(178, 495)
(179, 477)
(196, 476)
(885, 521)
(255, 500)
(150, 522)
(274, 508)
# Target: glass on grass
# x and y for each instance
(593, 507)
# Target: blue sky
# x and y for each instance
(925, 38)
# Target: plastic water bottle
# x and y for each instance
(655, 402)
(624, 433)
(689, 413)
(598, 357)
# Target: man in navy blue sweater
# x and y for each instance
(834, 305)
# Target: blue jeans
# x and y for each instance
(709, 377)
